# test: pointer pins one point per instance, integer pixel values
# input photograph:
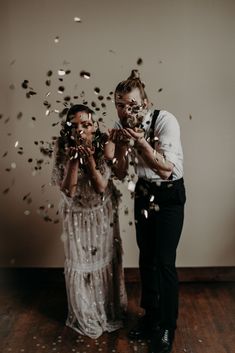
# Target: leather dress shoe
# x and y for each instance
(163, 341)
(146, 328)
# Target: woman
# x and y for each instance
(89, 208)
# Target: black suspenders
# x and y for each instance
(151, 129)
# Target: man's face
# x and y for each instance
(129, 107)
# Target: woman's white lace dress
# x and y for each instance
(93, 257)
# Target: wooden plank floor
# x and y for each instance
(32, 321)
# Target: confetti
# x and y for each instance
(61, 89)
(145, 213)
(97, 90)
(139, 61)
(16, 143)
(19, 115)
(56, 40)
(85, 74)
(77, 19)
(25, 84)
(61, 72)
(131, 186)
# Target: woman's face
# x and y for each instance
(84, 125)
(128, 105)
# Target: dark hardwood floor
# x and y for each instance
(32, 321)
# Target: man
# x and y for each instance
(159, 205)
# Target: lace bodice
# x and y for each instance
(85, 196)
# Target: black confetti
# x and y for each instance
(139, 61)
(85, 74)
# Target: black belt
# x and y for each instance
(162, 184)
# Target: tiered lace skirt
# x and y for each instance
(93, 268)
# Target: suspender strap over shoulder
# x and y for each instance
(151, 129)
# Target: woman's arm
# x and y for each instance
(98, 181)
(69, 183)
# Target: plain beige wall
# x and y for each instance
(188, 49)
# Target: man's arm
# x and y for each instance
(120, 141)
(154, 159)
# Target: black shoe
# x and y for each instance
(146, 328)
(163, 341)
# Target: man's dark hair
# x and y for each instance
(132, 82)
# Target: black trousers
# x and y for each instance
(159, 215)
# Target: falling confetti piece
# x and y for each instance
(19, 115)
(97, 90)
(131, 186)
(16, 143)
(49, 73)
(13, 165)
(190, 117)
(145, 213)
(61, 89)
(77, 19)
(139, 61)
(160, 89)
(25, 84)
(61, 72)
(6, 191)
(56, 40)
(27, 212)
(85, 74)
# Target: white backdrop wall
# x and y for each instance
(188, 51)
